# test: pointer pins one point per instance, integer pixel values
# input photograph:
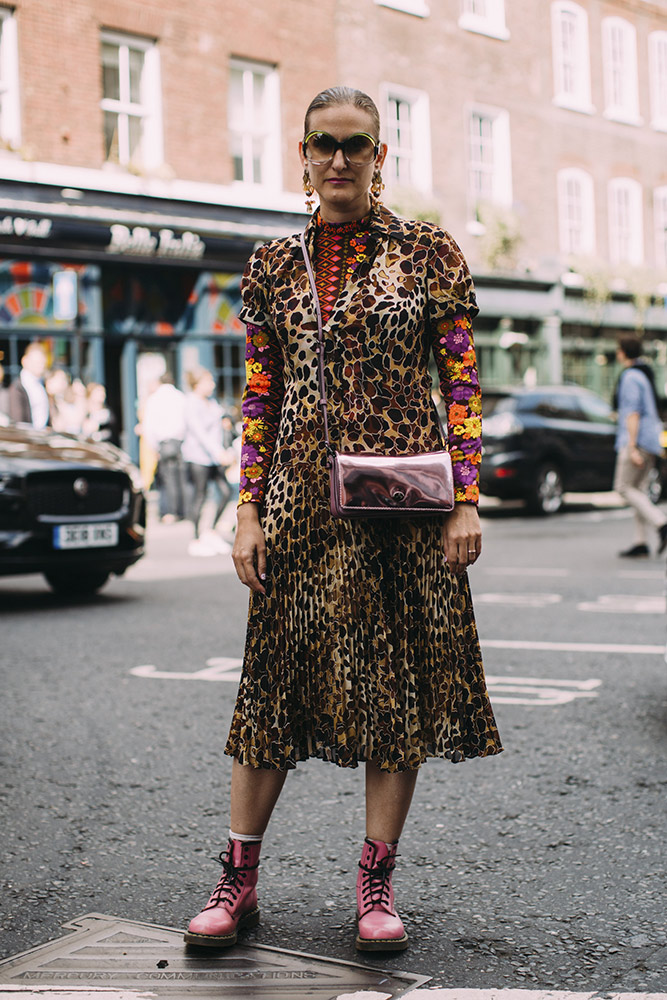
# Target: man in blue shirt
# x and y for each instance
(637, 446)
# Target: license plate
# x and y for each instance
(85, 536)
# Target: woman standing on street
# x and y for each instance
(361, 642)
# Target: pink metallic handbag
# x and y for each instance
(366, 484)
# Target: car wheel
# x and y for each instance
(77, 584)
(656, 483)
(546, 495)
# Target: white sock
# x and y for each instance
(247, 838)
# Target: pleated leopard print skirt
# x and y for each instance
(365, 646)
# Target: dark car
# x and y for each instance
(70, 509)
(542, 442)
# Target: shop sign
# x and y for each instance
(141, 241)
(16, 225)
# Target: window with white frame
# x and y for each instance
(572, 74)
(10, 109)
(619, 53)
(660, 224)
(254, 123)
(657, 61)
(489, 158)
(418, 7)
(131, 101)
(576, 212)
(487, 17)
(408, 135)
(626, 228)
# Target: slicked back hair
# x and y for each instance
(345, 95)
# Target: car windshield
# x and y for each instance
(596, 409)
(496, 402)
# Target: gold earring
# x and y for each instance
(377, 185)
(309, 190)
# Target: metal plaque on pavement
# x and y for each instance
(139, 959)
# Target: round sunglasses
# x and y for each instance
(359, 149)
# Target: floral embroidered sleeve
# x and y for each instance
(261, 405)
(452, 308)
(454, 355)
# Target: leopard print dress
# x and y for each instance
(365, 646)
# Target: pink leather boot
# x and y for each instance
(233, 904)
(380, 927)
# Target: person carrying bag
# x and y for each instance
(361, 644)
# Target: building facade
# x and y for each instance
(149, 146)
(535, 130)
(143, 145)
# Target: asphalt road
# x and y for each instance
(542, 867)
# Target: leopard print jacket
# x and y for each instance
(410, 295)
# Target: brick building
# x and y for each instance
(144, 145)
(536, 130)
(149, 145)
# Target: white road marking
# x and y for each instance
(641, 574)
(525, 571)
(628, 604)
(218, 668)
(573, 647)
(538, 691)
(505, 690)
(553, 571)
(534, 600)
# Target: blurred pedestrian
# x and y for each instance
(4, 394)
(28, 399)
(231, 441)
(163, 426)
(206, 458)
(637, 446)
(361, 642)
(100, 422)
(147, 453)
(67, 402)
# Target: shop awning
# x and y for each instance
(43, 221)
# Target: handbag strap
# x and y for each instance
(322, 402)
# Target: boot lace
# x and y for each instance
(230, 884)
(376, 884)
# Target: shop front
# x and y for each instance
(155, 288)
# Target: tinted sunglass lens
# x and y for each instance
(320, 147)
(359, 149)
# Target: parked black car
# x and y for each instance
(544, 441)
(70, 509)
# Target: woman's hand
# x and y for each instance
(462, 536)
(249, 552)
